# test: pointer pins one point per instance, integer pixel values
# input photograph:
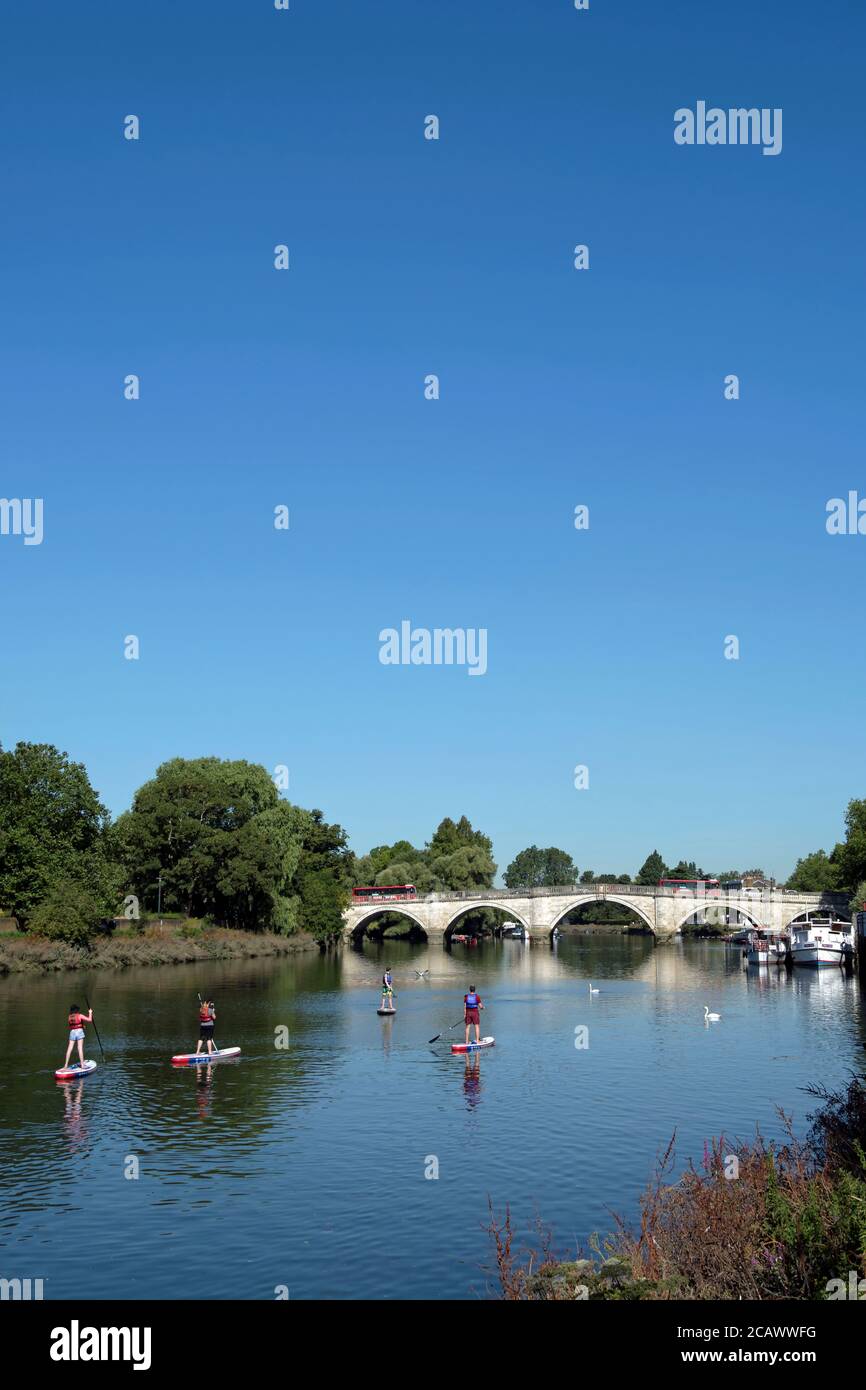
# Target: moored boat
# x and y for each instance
(822, 943)
(739, 938)
(765, 948)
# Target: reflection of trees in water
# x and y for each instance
(603, 914)
(479, 921)
(395, 925)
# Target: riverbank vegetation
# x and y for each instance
(205, 838)
(208, 841)
(755, 1221)
(213, 839)
(171, 942)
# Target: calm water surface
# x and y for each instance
(305, 1166)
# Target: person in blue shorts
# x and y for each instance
(76, 1024)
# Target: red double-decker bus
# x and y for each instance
(384, 893)
(691, 885)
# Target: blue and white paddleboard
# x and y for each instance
(184, 1059)
(473, 1046)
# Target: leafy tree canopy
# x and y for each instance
(456, 859)
(540, 868)
(851, 855)
(70, 912)
(652, 869)
(225, 844)
(815, 873)
(52, 827)
(684, 869)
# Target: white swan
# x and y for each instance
(710, 1018)
(591, 990)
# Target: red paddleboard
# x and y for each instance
(184, 1059)
(70, 1073)
(473, 1046)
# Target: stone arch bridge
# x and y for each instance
(664, 909)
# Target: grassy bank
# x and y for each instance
(172, 944)
(754, 1221)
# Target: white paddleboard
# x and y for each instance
(70, 1073)
(473, 1046)
(184, 1059)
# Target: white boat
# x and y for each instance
(765, 949)
(821, 943)
(512, 931)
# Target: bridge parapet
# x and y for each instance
(591, 890)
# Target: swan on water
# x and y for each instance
(591, 990)
(710, 1018)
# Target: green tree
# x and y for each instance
(588, 876)
(858, 899)
(466, 870)
(540, 868)
(71, 912)
(52, 829)
(325, 872)
(851, 855)
(225, 844)
(461, 858)
(685, 869)
(652, 869)
(815, 873)
(323, 901)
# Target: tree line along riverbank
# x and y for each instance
(172, 943)
(213, 840)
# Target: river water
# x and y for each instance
(304, 1167)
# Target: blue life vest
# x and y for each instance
(472, 1001)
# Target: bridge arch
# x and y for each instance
(729, 907)
(358, 928)
(475, 907)
(804, 918)
(620, 899)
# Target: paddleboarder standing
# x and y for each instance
(472, 1006)
(387, 989)
(77, 1021)
(206, 1024)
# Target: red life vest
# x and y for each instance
(204, 1014)
(77, 1021)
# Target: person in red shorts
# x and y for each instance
(472, 1005)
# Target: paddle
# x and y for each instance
(95, 1029)
(447, 1030)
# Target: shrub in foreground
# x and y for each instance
(754, 1221)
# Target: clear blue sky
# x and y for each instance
(306, 388)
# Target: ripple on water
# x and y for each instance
(306, 1166)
